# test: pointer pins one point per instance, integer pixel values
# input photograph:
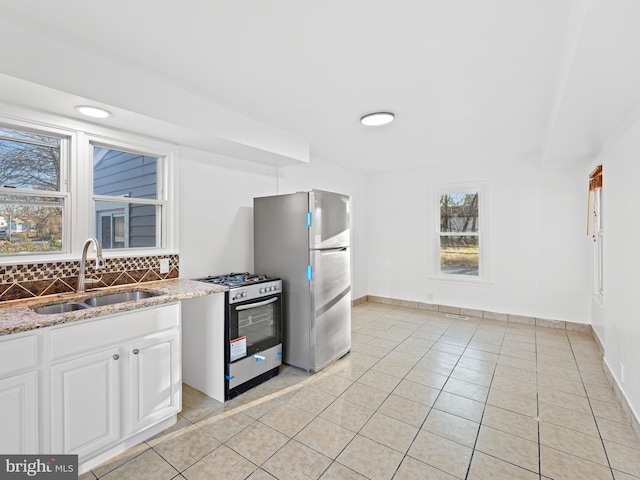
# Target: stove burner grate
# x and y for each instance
(235, 279)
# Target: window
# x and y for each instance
(595, 226)
(32, 201)
(60, 185)
(127, 199)
(460, 251)
(111, 229)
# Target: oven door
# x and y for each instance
(254, 325)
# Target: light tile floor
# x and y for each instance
(420, 396)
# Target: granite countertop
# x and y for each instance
(17, 315)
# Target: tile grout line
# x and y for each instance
(595, 420)
(482, 417)
(333, 460)
(477, 328)
(431, 407)
(404, 455)
(538, 412)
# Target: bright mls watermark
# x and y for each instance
(50, 467)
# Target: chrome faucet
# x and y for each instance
(82, 280)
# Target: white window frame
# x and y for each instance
(76, 182)
(152, 149)
(482, 188)
(67, 144)
(598, 254)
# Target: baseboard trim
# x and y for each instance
(631, 416)
(599, 344)
(470, 312)
(360, 300)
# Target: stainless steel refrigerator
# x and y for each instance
(304, 238)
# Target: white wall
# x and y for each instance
(621, 170)
(537, 239)
(216, 209)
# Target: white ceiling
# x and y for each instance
(467, 79)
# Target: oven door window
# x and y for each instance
(259, 323)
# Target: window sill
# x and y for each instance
(137, 252)
(461, 280)
(44, 257)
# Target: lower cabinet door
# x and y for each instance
(154, 379)
(19, 414)
(85, 403)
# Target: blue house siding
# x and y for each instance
(142, 226)
(129, 175)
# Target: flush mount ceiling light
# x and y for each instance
(377, 118)
(94, 112)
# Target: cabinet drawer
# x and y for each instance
(18, 354)
(81, 337)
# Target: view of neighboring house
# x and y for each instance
(125, 176)
(10, 226)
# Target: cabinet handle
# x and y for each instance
(116, 356)
(136, 351)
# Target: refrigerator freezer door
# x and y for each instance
(331, 292)
(330, 220)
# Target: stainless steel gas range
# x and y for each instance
(252, 335)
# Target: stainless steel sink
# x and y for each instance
(112, 298)
(98, 301)
(60, 308)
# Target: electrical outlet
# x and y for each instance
(164, 265)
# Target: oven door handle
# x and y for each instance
(257, 304)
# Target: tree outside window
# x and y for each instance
(60, 185)
(31, 202)
(459, 233)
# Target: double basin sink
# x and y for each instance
(97, 301)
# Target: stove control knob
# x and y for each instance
(262, 290)
(244, 294)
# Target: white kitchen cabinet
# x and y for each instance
(85, 403)
(19, 394)
(154, 379)
(112, 378)
(19, 414)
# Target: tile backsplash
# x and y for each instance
(31, 280)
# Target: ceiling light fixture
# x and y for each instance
(377, 118)
(94, 112)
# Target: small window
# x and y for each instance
(461, 229)
(596, 226)
(127, 198)
(32, 203)
(459, 239)
(112, 228)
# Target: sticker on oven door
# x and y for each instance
(238, 348)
